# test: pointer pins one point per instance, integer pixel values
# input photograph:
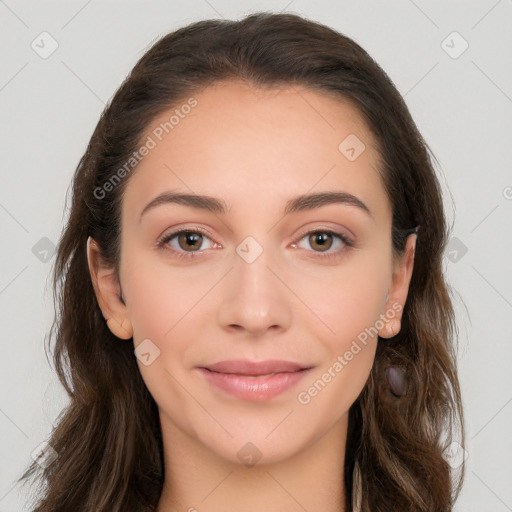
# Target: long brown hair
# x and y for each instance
(108, 440)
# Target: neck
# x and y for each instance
(198, 480)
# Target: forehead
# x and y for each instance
(252, 145)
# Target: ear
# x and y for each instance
(108, 293)
(398, 290)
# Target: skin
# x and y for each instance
(255, 149)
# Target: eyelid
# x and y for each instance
(325, 229)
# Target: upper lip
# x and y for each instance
(246, 367)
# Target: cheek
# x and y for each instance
(151, 310)
(338, 381)
(161, 309)
(159, 297)
(165, 307)
(351, 305)
(348, 298)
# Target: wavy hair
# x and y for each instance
(108, 440)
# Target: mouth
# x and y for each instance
(256, 368)
(254, 381)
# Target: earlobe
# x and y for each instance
(391, 328)
(107, 290)
(125, 332)
(397, 294)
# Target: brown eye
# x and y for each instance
(186, 242)
(190, 240)
(326, 244)
(320, 240)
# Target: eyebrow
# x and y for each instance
(295, 204)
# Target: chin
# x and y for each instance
(250, 450)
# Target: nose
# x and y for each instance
(255, 298)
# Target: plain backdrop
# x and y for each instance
(452, 62)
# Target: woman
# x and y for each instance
(253, 310)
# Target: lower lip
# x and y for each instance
(255, 389)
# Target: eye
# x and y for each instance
(188, 241)
(323, 240)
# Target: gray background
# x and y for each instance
(462, 104)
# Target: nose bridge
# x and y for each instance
(255, 299)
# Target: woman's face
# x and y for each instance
(274, 276)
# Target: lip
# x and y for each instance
(254, 380)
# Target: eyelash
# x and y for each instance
(165, 239)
